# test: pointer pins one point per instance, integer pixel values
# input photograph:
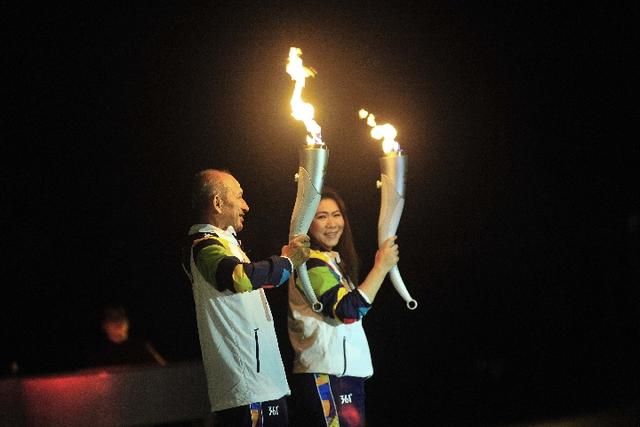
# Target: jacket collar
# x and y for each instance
(228, 234)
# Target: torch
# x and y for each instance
(393, 170)
(312, 166)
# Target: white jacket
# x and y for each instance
(240, 351)
(323, 344)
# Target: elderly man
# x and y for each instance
(245, 373)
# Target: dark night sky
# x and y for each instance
(519, 237)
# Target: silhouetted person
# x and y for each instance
(117, 347)
(9, 366)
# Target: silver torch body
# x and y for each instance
(310, 177)
(393, 169)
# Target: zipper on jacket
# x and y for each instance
(344, 354)
(255, 334)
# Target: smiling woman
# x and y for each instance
(332, 357)
(328, 224)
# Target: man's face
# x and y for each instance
(117, 331)
(233, 206)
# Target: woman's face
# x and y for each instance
(328, 224)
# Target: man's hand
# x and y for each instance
(297, 250)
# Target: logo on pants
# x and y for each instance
(273, 410)
(345, 398)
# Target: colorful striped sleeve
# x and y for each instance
(338, 302)
(228, 272)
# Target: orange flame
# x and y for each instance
(301, 110)
(385, 132)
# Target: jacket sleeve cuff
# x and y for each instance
(290, 263)
(364, 296)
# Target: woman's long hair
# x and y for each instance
(349, 261)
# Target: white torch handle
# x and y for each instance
(391, 185)
(307, 201)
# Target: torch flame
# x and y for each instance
(385, 132)
(301, 110)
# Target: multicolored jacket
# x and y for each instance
(332, 342)
(240, 351)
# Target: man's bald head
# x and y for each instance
(218, 199)
(207, 184)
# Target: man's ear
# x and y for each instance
(217, 204)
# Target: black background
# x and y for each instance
(519, 237)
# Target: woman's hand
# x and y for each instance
(388, 254)
(386, 257)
